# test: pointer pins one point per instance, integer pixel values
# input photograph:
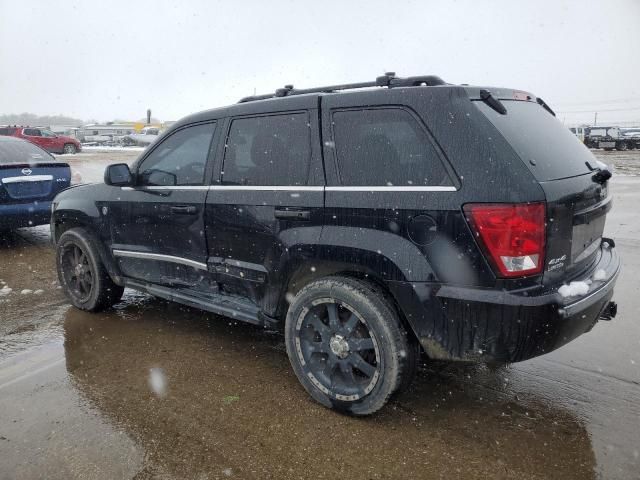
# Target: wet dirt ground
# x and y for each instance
(76, 396)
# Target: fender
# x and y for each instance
(72, 211)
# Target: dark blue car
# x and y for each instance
(29, 179)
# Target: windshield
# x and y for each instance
(549, 149)
(16, 151)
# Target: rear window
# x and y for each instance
(549, 149)
(15, 151)
(385, 147)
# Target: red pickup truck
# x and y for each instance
(44, 138)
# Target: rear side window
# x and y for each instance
(7, 131)
(548, 148)
(268, 150)
(385, 147)
(180, 159)
(32, 132)
(22, 151)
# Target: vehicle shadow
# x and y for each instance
(231, 405)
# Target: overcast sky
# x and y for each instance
(115, 59)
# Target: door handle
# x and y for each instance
(183, 209)
(292, 214)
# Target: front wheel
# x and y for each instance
(621, 146)
(347, 345)
(81, 273)
(69, 148)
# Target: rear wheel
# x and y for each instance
(347, 345)
(81, 273)
(69, 148)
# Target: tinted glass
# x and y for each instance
(12, 151)
(271, 150)
(31, 132)
(180, 159)
(385, 147)
(539, 137)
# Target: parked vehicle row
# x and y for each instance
(608, 138)
(30, 178)
(373, 221)
(44, 138)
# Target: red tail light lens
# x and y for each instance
(513, 235)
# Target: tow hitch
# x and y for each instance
(609, 312)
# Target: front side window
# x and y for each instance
(268, 150)
(180, 159)
(47, 133)
(385, 147)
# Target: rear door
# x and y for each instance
(35, 136)
(157, 226)
(267, 205)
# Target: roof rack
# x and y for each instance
(388, 80)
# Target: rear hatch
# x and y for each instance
(29, 174)
(576, 203)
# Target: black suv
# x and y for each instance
(375, 221)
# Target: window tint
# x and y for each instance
(32, 132)
(270, 150)
(385, 146)
(180, 159)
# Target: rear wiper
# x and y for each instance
(544, 105)
(493, 102)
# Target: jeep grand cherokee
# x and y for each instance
(376, 221)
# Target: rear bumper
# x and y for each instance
(472, 324)
(30, 214)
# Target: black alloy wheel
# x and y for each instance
(340, 350)
(77, 272)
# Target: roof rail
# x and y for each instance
(388, 80)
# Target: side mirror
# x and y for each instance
(118, 175)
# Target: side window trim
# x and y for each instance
(219, 174)
(446, 165)
(211, 157)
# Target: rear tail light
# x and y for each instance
(512, 236)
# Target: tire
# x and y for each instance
(82, 275)
(69, 148)
(347, 345)
(621, 146)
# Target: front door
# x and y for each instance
(267, 209)
(157, 226)
(35, 136)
